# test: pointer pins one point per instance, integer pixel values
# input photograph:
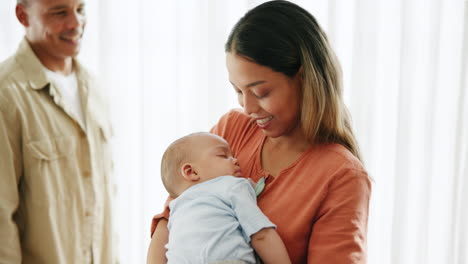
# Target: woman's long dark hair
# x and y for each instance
(286, 38)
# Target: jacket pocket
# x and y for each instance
(51, 171)
(52, 149)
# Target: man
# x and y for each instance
(55, 160)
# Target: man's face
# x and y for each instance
(54, 28)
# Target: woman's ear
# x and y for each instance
(189, 173)
(300, 73)
(298, 80)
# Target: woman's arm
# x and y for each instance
(269, 246)
(156, 250)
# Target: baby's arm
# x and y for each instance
(256, 226)
(269, 246)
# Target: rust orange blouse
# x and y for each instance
(319, 203)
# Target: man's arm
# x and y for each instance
(157, 251)
(10, 171)
(269, 246)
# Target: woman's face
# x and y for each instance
(271, 98)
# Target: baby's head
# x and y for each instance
(194, 159)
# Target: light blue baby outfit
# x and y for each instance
(213, 221)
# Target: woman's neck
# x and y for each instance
(279, 153)
(294, 141)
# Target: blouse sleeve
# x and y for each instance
(228, 125)
(340, 228)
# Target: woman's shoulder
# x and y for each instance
(334, 160)
(337, 153)
(235, 117)
(333, 168)
(237, 128)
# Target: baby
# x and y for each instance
(214, 217)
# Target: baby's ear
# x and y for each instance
(189, 172)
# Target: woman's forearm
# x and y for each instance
(156, 250)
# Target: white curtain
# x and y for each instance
(405, 67)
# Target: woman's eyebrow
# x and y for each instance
(252, 83)
(255, 83)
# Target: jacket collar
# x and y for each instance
(33, 67)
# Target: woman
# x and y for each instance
(295, 132)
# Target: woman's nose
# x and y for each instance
(249, 104)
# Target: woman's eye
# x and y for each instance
(261, 95)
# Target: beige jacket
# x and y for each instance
(56, 189)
